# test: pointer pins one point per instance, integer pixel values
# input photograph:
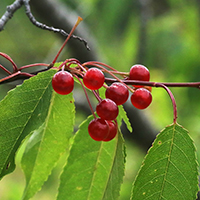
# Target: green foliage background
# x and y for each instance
(171, 53)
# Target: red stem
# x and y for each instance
(33, 65)
(68, 37)
(99, 63)
(88, 100)
(152, 84)
(18, 73)
(172, 99)
(117, 79)
(1, 66)
(97, 96)
(15, 69)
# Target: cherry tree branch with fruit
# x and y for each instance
(93, 78)
(138, 76)
(134, 79)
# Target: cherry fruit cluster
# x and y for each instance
(104, 127)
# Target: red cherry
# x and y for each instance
(63, 82)
(139, 73)
(117, 92)
(98, 129)
(112, 131)
(93, 79)
(107, 109)
(141, 98)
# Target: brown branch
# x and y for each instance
(59, 15)
(17, 4)
(10, 10)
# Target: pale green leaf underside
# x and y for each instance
(94, 170)
(123, 115)
(169, 171)
(23, 110)
(48, 143)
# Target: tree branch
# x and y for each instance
(17, 4)
(10, 10)
(59, 15)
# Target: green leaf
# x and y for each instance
(123, 115)
(48, 143)
(169, 171)
(23, 110)
(94, 170)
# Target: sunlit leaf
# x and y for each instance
(48, 143)
(94, 170)
(23, 110)
(169, 171)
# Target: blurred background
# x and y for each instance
(162, 35)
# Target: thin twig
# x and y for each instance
(68, 37)
(15, 69)
(11, 9)
(152, 84)
(7, 71)
(44, 26)
(88, 100)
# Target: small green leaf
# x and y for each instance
(94, 170)
(23, 110)
(169, 171)
(48, 143)
(123, 115)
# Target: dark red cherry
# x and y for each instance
(107, 109)
(139, 73)
(117, 92)
(63, 82)
(112, 131)
(98, 129)
(141, 98)
(93, 79)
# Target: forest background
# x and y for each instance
(162, 35)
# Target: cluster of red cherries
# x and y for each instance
(104, 127)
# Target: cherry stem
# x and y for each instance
(100, 63)
(7, 71)
(97, 96)
(64, 63)
(152, 84)
(81, 67)
(11, 76)
(68, 37)
(74, 60)
(15, 69)
(172, 99)
(88, 100)
(33, 65)
(117, 79)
